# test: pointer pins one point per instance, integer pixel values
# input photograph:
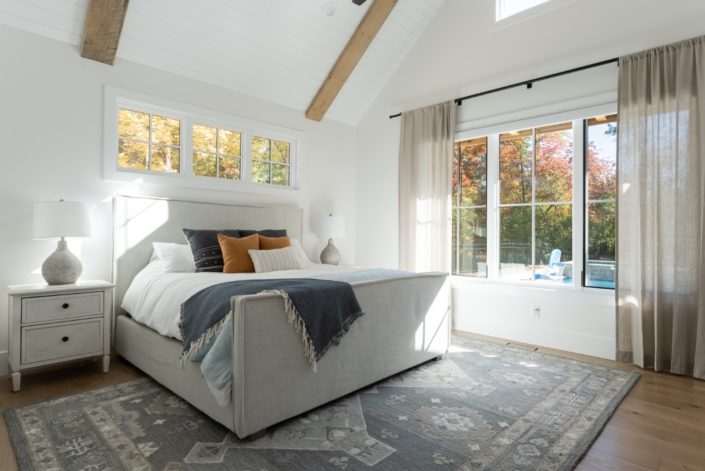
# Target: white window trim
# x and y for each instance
(116, 98)
(492, 134)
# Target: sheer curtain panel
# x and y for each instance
(661, 209)
(425, 171)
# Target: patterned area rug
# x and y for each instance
(485, 406)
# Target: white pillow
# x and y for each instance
(300, 254)
(275, 259)
(177, 258)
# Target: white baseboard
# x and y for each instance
(4, 370)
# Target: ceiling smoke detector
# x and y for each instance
(328, 8)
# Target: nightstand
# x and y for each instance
(59, 323)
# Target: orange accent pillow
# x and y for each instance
(235, 255)
(269, 243)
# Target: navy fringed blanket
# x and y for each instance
(321, 311)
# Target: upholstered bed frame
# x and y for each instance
(407, 322)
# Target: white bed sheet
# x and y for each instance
(154, 297)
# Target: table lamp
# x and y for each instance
(61, 219)
(332, 227)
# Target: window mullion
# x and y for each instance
(245, 156)
(493, 189)
(458, 191)
(186, 147)
(271, 164)
(533, 205)
(579, 205)
(149, 146)
(217, 152)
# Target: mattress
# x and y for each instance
(154, 297)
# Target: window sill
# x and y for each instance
(464, 282)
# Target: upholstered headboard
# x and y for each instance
(139, 221)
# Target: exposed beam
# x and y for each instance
(348, 59)
(101, 35)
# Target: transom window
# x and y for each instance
(270, 161)
(528, 232)
(150, 140)
(216, 152)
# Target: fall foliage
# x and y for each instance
(535, 170)
(151, 142)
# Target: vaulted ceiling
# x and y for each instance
(276, 50)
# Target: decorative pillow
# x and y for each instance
(205, 247)
(263, 232)
(235, 255)
(274, 260)
(269, 243)
(300, 254)
(177, 258)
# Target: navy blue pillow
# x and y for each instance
(264, 232)
(206, 248)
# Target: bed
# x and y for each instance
(407, 323)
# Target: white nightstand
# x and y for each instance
(55, 324)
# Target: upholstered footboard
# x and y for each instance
(407, 322)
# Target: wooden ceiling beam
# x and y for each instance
(103, 28)
(357, 45)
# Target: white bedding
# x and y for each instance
(154, 298)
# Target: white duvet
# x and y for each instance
(154, 298)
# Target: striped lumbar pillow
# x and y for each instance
(274, 260)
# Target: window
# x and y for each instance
(216, 152)
(529, 230)
(148, 142)
(535, 216)
(601, 200)
(470, 207)
(506, 8)
(270, 161)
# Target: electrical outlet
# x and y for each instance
(536, 312)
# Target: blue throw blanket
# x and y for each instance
(321, 310)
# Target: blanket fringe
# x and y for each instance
(199, 343)
(295, 318)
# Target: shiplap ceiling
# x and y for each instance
(276, 50)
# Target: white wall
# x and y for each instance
(461, 53)
(51, 109)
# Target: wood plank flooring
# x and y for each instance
(660, 425)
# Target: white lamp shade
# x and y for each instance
(332, 227)
(53, 219)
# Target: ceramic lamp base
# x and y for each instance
(330, 254)
(62, 267)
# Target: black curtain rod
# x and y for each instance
(527, 83)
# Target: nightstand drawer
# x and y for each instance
(58, 341)
(60, 307)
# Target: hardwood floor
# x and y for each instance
(659, 426)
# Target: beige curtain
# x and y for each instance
(425, 171)
(661, 209)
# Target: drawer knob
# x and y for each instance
(65, 305)
(64, 339)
